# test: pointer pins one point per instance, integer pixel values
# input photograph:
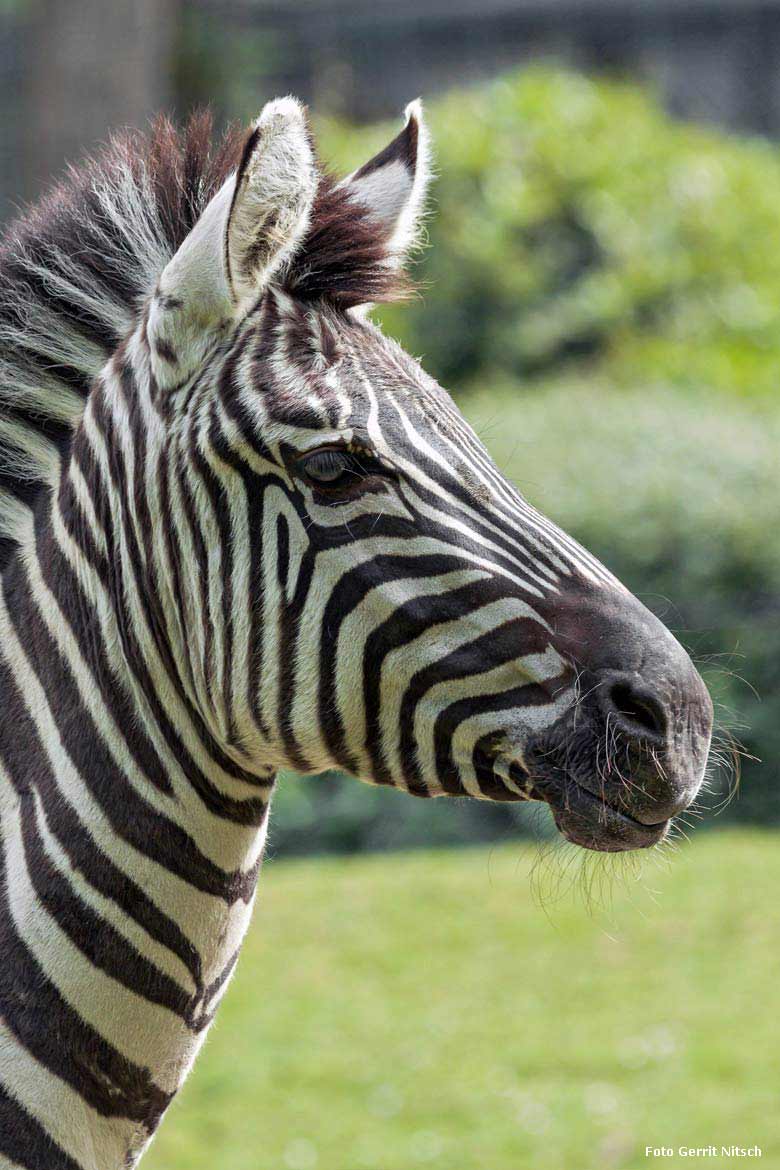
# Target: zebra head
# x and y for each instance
(343, 577)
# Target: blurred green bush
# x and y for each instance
(574, 220)
(601, 288)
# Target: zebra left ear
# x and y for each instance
(394, 183)
(245, 236)
(272, 199)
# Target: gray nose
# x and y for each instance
(656, 725)
(634, 707)
(639, 720)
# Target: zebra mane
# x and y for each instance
(76, 266)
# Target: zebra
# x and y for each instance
(242, 531)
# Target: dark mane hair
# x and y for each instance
(75, 267)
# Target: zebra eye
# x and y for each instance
(342, 474)
(334, 468)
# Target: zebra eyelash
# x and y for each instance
(342, 471)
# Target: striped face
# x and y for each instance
(360, 587)
(392, 577)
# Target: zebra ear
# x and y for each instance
(394, 183)
(272, 199)
(248, 231)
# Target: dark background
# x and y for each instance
(70, 72)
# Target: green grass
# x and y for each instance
(414, 1011)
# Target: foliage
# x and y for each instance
(456, 1023)
(574, 221)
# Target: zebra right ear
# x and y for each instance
(393, 185)
(248, 231)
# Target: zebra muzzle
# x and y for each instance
(630, 753)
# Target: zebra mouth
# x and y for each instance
(588, 820)
(583, 815)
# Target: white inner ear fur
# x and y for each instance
(272, 206)
(385, 191)
(395, 192)
(195, 276)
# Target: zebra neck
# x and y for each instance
(130, 853)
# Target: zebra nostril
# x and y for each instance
(635, 707)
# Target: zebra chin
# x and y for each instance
(586, 808)
(585, 816)
(582, 811)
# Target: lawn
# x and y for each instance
(426, 1010)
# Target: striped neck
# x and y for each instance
(130, 852)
